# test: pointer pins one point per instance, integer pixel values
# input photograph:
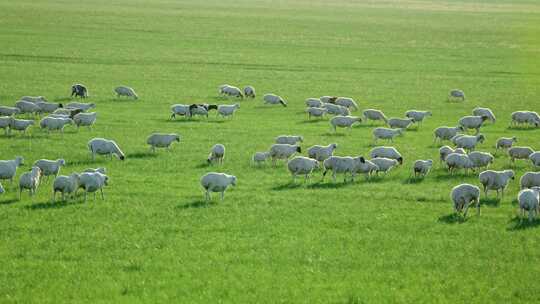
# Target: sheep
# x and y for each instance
(386, 152)
(336, 109)
(27, 107)
(100, 170)
(66, 185)
(535, 158)
(125, 91)
(367, 167)
(105, 146)
(49, 167)
(85, 119)
(20, 125)
(417, 116)
(217, 153)
(529, 180)
(274, 99)
(92, 182)
(505, 142)
(472, 122)
(385, 133)
(484, 112)
(283, 151)
(260, 157)
(34, 99)
(344, 122)
(199, 110)
(289, 139)
(29, 180)
(57, 115)
(519, 153)
(48, 107)
(402, 123)
(316, 112)
(81, 105)
(321, 153)
(525, 117)
(456, 94)
(8, 168)
(346, 102)
(5, 122)
(9, 111)
(422, 167)
(217, 182)
(232, 91)
(446, 133)
(314, 102)
(328, 99)
(160, 140)
(302, 165)
(384, 164)
(481, 159)
(180, 109)
(372, 114)
(71, 112)
(342, 164)
(463, 195)
(495, 180)
(52, 123)
(458, 161)
(227, 110)
(194, 108)
(249, 91)
(444, 151)
(529, 200)
(469, 142)
(222, 89)
(79, 90)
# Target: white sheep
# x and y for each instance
(372, 114)
(49, 167)
(417, 116)
(227, 110)
(52, 123)
(48, 107)
(529, 200)
(260, 157)
(29, 180)
(463, 196)
(456, 161)
(469, 142)
(217, 153)
(456, 94)
(344, 122)
(34, 99)
(126, 91)
(314, 102)
(180, 109)
(20, 124)
(386, 152)
(529, 180)
(222, 89)
(69, 112)
(484, 112)
(505, 143)
(422, 167)
(199, 110)
(27, 107)
(495, 180)
(274, 99)
(525, 117)
(232, 91)
(386, 133)
(481, 159)
(161, 140)
(5, 122)
(289, 139)
(472, 122)
(328, 99)
(384, 164)
(9, 111)
(447, 133)
(217, 182)
(85, 119)
(316, 112)
(336, 109)
(81, 105)
(401, 123)
(347, 102)
(321, 153)
(249, 91)
(8, 168)
(535, 158)
(367, 167)
(104, 146)
(91, 182)
(283, 151)
(342, 164)
(100, 170)
(302, 165)
(519, 153)
(66, 185)
(444, 151)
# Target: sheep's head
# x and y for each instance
(61, 162)
(400, 160)
(233, 180)
(19, 160)
(514, 139)
(177, 137)
(460, 128)
(105, 180)
(428, 113)
(510, 174)
(333, 146)
(298, 149)
(480, 138)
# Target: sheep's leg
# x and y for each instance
(466, 209)
(102, 196)
(94, 195)
(222, 194)
(207, 195)
(531, 214)
(334, 176)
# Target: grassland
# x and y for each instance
(154, 240)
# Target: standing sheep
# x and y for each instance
(529, 180)
(529, 200)
(29, 180)
(20, 124)
(444, 151)
(85, 119)
(8, 168)
(340, 164)
(505, 143)
(274, 99)
(180, 109)
(422, 167)
(49, 167)
(52, 123)
(217, 182)
(347, 102)
(232, 91)
(417, 116)
(105, 147)
(519, 153)
(525, 117)
(484, 112)
(314, 102)
(91, 182)
(535, 158)
(27, 107)
(447, 133)
(384, 164)
(302, 165)
(81, 105)
(456, 94)
(227, 110)
(495, 180)
(66, 185)
(344, 122)
(481, 159)
(34, 99)
(48, 107)
(79, 90)
(198, 110)
(386, 152)
(321, 153)
(289, 139)
(463, 195)
(217, 153)
(401, 123)
(260, 157)
(456, 161)
(385, 133)
(372, 114)
(283, 151)
(469, 142)
(161, 140)
(249, 91)
(316, 112)
(125, 91)
(328, 99)
(472, 122)
(5, 122)
(9, 111)
(336, 109)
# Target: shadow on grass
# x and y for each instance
(55, 204)
(330, 185)
(517, 223)
(452, 218)
(449, 176)
(310, 121)
(335, 134)
(137, 155)
(521, 128)
(9, 201)
(187, 120)
(288, 186)
(199, 204)
(413, 180)
(491, 202)
(88, 161)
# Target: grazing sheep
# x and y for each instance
(336, 109)
(386, 152)
(417, 116)
(481, 159)
(81, 105)
(384, 164)
(463, 195)
(52, 123)
(484, 112)
(422, 167)
(9, 111)
(529, 180)
(529, 201)
(385, 133)
(8, 168)
(227, 110)
(260, 157)
(222, 89)
(525, 117)
(217, 153)
(85, 119)
(535, 158)
(274, 99)
(372, 114)
(447, 133)
(401, 123)
(283, 151)
(34, 99)
(456, 161)
(160, 140)
(125, 91)
(302, 165)
(48, 107)
(100, 170)
(180, 109)
(104, 146)
(79, 90)
(289, 139)
(367, 167)
(27, 107)
(29, 180)
(198, 110)
(92, 182)
(66, 185)
(49, 167)
(316, 112)
(469, 142)
(249, 91)
(519, 153)
(495, 180)
(342, 164)
(505, 143)
(321, 153)
(5, 122)
(344, 122)
(444, 151)
(217, 182)
(71, 112)
(314, 102)
(328, 99)
(347, 102)
(20, 124)
(232, 91)
(456, 94)
(472, 122)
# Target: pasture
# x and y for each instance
(155, 239)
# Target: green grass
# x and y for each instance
(153, 239)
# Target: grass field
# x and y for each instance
(153, 239)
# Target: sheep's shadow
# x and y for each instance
(311, 121)
(86, 162)
(452, 218)
(138, 155)
(491, 202)
(9, 201)
(334, 134)
(448, 176)
(517, 223)
(55, 204)
(330, 185)
(413, 180)
(61, 99)
(288, 186)
(518, 128)
(203, 165)
(198, 203)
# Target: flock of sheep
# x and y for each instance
(383, 158)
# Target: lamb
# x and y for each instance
(505, 143)
(85, 119)
(535, 158)
(458, 161)
(372, 114)
(289, 139)
(328, 99)
(495, 180)
(81, 105)
(316, 112)
(49, 167)
(227, 110)
(519, 153)
(71, 112)
(529, 201)
(160, 140)
(52, 123)
(456, 94)
(217, 182)
(274, 99)
(217, 153)
(347, 102)
(469, 142)
(402, 123)
(48, 107)
(525, 117)
(66, 185)
(384, 164)
(105, 146)
(260, 157)
(481, 159)
(386, 152)
(180, 109)
(340, 164)
(8, 168)
(336, 109)
(529, 180)
(92, 182)
(417, 116)
(20, 124)
(5, 122)
(283, 151)
(321, 153)
(463, 195)
(302, 165)
(29, 180)
(199, 110)
(385, 133)
(472, 122)
(314, 103)
(344, 122)
(34, 99)
(9, 111)
(125, 91)
(232, 91)
(444, 151)
(484, 112)
(422, 167)
(249, 91)
(79, 90)
(27, 107)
